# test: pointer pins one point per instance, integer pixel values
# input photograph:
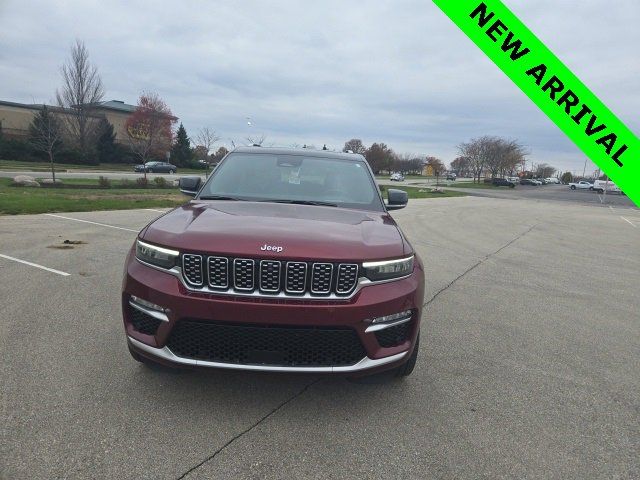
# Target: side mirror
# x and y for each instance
(397, 199)
(190, 185)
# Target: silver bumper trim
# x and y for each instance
(152, 313)
(166, 354)
(381, 326)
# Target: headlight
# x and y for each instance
(159, 256)
(388, 269)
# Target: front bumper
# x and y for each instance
(371, 301)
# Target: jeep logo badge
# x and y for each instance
(271, 248)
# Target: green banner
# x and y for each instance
(552, 87)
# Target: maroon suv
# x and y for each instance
(285, 260)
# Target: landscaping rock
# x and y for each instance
(49, 181)
(25, 181)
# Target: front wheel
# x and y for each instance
(405, 369)
(573, 187)
(591, 188)
(172, 171)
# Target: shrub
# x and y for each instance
(160, 182)
(125, 183)
(104, 182)
(142, 182)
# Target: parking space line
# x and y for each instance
(52, 270)
(153, 210)
(628, 221)
(93, 223)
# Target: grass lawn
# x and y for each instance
(421, 192)
(15, 165)
(24, 200)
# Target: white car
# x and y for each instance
(601, 185)
(535, 182)
(581, 185)
(397, 177)
(553, 180)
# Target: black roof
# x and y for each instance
(309, 152)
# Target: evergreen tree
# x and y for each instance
(106, 144)
(181, 153)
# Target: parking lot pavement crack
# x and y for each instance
(250, 428)
(478, 263)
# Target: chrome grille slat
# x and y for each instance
(296, 277)
(321, 274)
(218, 269)
(270, 276)
(347, 278)
(243, 274)
(192, 269)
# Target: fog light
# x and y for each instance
(146, 304)
(393, 317)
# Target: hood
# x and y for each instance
(274, 230)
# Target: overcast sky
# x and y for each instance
(326, 71)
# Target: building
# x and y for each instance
(15, 118)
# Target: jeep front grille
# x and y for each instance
(269, 277)
(192, 269)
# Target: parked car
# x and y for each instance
(581, 185)
(156, 167)
(451, 176)
(396, 177)
(285, 261)
(541, 181)
(601, 186)
(503, 182)
(529, 181)
(553, 180)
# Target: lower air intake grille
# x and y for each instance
(257, 345)
(142, 322)
(392, 336)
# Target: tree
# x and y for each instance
(379, 157)
(544, 170)
(45, 135)
(253, 140)
(477, 151)
(181, 153)
(355, 145)
(567, 177)
(106, 143)
(207, 138)
(149, 128)
(220, 154)
(81, 90)
(461, 166)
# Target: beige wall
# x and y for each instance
(16, 120)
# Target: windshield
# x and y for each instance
(294, 179)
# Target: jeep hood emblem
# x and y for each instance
(271, 248)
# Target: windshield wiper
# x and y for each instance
(217, 197)
(303, 202)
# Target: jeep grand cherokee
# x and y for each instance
(284, 260)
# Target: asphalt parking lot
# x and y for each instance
(528, 367)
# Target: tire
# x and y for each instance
(573, 187)
(512, 186)
(600, 191)
(406, 368)
(591, 188)
(172, 172)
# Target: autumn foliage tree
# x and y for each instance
(150, 128)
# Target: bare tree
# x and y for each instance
(45, 135)
(207, 138)
(81, 90)
(544, 170)
(253, 140)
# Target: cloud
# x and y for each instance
(324, 72)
